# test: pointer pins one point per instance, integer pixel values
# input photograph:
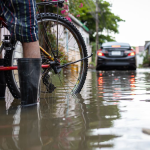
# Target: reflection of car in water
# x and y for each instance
(116, 55)
(116, 85)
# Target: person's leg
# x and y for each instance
(31, 50)
(29, 67)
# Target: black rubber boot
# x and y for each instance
(2, 81)
(29, 78)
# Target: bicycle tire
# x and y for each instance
(73, 31)
(1, 47)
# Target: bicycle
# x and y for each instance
(57, 58)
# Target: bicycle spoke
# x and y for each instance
(70, 56)
(56, 33)
(72, 74)
(61, 82)
(69, 82)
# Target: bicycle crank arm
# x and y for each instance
(62, 66)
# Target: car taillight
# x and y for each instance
(132, 53)
(99, 53)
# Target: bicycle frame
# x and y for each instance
(16, 68)
(4, 24)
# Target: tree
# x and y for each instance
(108, 21)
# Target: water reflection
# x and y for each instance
(60, 124)
(19, 129)
(64, 126)
(109, 114)
(115, 85)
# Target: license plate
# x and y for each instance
(116, 53)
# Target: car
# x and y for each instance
(116, 55)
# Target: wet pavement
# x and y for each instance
(109, 114)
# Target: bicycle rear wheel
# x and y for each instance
(71, 48)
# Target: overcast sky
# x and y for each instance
(136, 28)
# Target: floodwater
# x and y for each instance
(110, 113)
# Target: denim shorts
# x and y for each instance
(20, 16)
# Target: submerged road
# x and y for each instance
(111, 113)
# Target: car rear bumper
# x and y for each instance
(107, 61)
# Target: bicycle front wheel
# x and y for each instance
(61, 38)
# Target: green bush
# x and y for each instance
(140, 66)
(146, 59)
(92, 63)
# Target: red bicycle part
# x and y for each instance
(2, 68)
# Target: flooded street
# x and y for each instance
(110, 113)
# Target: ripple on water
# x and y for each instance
(109, 114)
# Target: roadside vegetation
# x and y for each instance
(146, 60)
